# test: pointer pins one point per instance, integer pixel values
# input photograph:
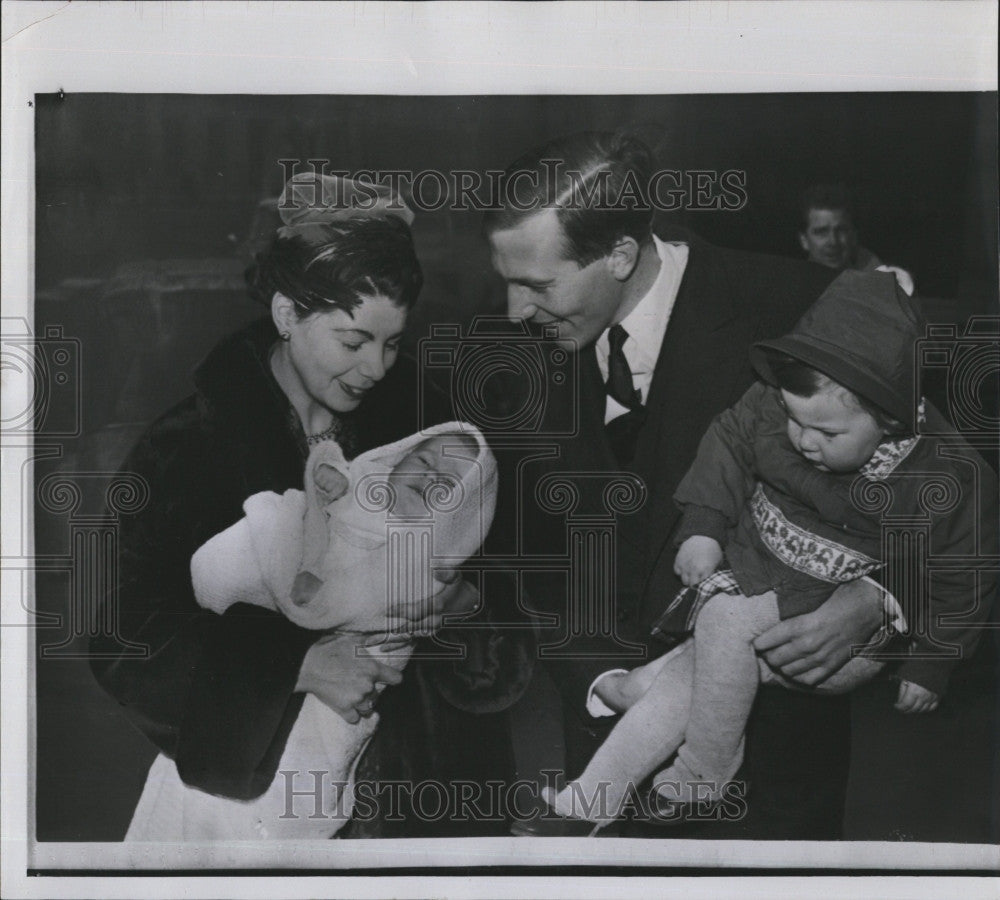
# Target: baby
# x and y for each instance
(785, 500)
(355, 551)
(321, 556)
(345, 530)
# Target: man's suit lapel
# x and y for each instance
(589, 449)
(701, 336)
(705, 334)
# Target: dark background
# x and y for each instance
(149, 208)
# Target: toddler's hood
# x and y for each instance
(862, 333)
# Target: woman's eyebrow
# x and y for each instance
(367, 335)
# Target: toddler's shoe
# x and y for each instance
(687, 790)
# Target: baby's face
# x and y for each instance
(427, 465)
(831, 431)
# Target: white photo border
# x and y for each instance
(443, 48)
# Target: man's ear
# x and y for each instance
(803, 243)
(283, 312)
(623, 258)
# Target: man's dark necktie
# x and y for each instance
(623, 431)
(619, 374)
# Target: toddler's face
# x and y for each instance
(831, 431)
(427, 465)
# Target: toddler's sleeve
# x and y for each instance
(721, 479)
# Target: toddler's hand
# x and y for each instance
(916, 699)
(697, 558)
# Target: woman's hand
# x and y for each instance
(697, 558)
(344, 676)
(453, 597)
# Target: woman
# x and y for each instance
(218, 695)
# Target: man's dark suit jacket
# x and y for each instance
(798, 744)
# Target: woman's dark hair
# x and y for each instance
(803, 380)
(336, 265)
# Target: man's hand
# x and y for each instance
(916, 699)
(697, 558)
(811, 647)
(345, 681)
(453, 596)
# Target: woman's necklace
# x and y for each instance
(330, 434)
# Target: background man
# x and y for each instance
(829, 236)
(827, 232)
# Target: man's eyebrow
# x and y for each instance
(531, 282)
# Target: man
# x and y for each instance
(827, 233)
(829, 237)
(662, 324)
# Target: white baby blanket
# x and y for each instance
(367, 559)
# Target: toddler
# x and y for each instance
(785, 500)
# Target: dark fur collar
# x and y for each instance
(236, 383)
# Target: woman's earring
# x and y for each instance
(286, 335)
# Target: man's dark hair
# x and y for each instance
(597, 182)
(824, 196)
